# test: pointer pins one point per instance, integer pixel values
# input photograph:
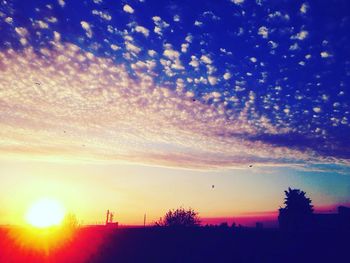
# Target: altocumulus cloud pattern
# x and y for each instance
(196, 84)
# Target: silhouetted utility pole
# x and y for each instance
(144, 220)
(107, 217)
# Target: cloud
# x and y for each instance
(304, 8)
(174, 57)
(263, 31)
(142, 30)
(189, 38)
(86, 26)
(41, 24)
(273, 44)
(184, 47)
(61, 3)
(176, 18)
(293, 47)
(317, 109)
(325, 54)
(206, 59)
(198, 23)
(160, 25)
(227, 76)
(21, 31)
(212, 80)
(69, 103)
(194, 62)
(170, 53)
(9, 20)
(115, 47)
(103, 15)
(132, 48)
(152, 53)
(128, 9)
(238, 2)
(253, 59)
(301, 35)
(172, 96)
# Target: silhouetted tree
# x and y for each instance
(70, 222)
(298, 211)
(180, 218)
(223, 225)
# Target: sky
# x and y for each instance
(141, 106)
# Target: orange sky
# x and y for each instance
(130, 190)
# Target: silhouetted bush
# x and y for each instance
(179, 218)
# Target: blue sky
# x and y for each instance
(205, 86)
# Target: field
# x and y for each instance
(214, 244)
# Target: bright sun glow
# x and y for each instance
(45, 213)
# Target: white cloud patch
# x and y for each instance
(174, 57)
(21, 31)
(212, 80)
(206, 59)
(238, 2)
(317, 109)
(128, 9)
(253, 59)
(189, 38)
(176, 18)
(86, 26)
(278, 14)
(227, 76)
(56, 36)
(184, 47)
(160, 25)
(171, 54)
(142, 30)
(304, 8)
(325, 54)
(104, 15)
(61, 3)
(41, 24)
(301, 35)
(273, 44)
(132, 48)
(263, 31)
(115, 47)
(194, 62)
(294, 47)
(9, 20)
(152, 53)
(198, 23)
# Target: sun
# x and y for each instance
(45, 213)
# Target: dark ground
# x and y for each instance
(168, 245)
(223, 245)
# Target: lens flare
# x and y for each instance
(45, 213)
